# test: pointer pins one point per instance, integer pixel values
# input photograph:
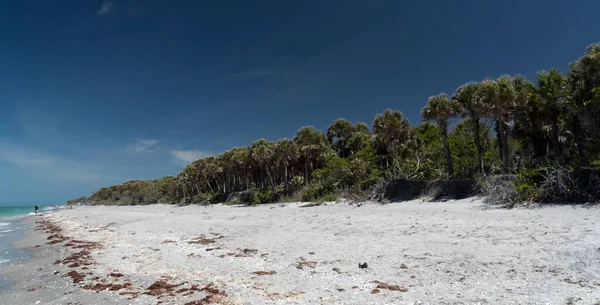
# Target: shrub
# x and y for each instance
(315, 191)
(528, 183)
(317, 195)
(260, 196)
(562, 184)
(204, 198)
(500, 190)
(327, 198)
(545, 183)
(310, 193)
(264, 196)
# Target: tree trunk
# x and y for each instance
(285, 176)
(448, 153)
(555, 141)
(505, 153)
(541, 146)
(306, 172)
(262, 177)
(270, 178)
(476, 129)
(502, 136)
(208, 183)
(498, 129)
(580, 140)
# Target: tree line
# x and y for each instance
(544, 133)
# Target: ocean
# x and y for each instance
(11, 230)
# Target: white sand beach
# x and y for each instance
(455, 252)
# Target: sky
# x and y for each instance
(95, 93)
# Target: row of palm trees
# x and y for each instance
(283, 166)
(288, 164)
(546, 115)
(498, 100)
(550, 118)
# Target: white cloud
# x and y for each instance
(105, 9)
(142, 146)
(187, 156)
(21, 158)
(42, 164)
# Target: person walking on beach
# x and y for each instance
(36, 209)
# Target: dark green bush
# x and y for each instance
(528, 184)
(315, 191)
(260, 196)
(327, 198)
(552, 182)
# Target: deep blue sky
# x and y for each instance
(93, 93)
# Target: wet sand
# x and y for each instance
(37, 280)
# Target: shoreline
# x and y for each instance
(443, 253)
(12, 234)
(37, 279)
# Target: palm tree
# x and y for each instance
(391, 131)
(225, 162)
(211, 172)
(500, 100)
(584, 77)
(286, 154)
(524, 95)
(440, 109)
(191, 170)
(240, 161)
(468, 96)
(183, 179)
(361, 127)
(550, 90)
(361, 138)
(311, 143)
(338, 134)
(495, 105)
(531, 127)
(583, 84)
(201, 173)
(262, 152)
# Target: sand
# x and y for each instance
(454, 252)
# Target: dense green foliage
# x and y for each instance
(543, 133)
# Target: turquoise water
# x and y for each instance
(12, 211)
(11, 230)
